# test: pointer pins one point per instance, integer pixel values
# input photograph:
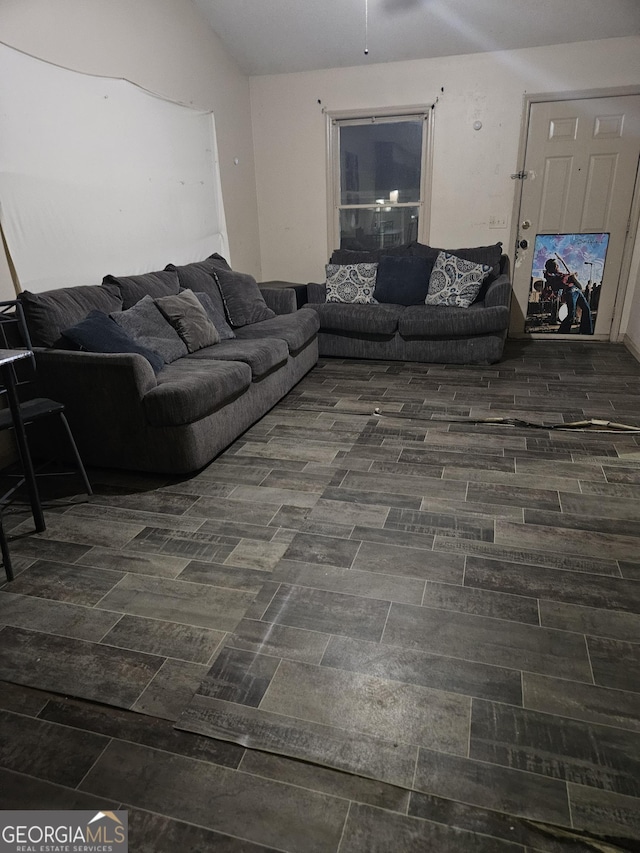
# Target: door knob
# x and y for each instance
(524, 244)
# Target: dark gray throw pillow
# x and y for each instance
(148, 326)
(134, 287)
(99, 333)
(243, 302)
(188, 317)
(199, 278)
(48, 313)
(216, 316)
(403, 280)
(188, 273)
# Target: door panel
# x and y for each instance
(581, 162)
(599, 192)
(555, 193)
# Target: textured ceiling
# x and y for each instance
(278, 36)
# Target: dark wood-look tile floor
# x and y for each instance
(352, 632)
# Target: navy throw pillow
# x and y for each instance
(99, 333)
(403, 280)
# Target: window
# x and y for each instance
(378, 167)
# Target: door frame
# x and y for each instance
(632, 236)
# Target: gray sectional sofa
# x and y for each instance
(418, 332)
(172, 415)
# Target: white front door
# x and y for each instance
(581, 166)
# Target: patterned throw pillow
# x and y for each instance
(351, 283)
(454, 281)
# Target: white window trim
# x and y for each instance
(427, 112)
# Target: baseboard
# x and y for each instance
(632, 347)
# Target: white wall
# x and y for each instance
(167, 47)
(471, 180)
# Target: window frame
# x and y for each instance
(337, 118)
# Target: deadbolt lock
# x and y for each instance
(526, 224)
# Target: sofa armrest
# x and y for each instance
(103, 398)
(89, 380)
(279, 297)
(316, 292)
(499, 292)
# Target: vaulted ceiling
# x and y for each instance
(279, 36)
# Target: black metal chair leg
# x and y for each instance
(79, 463)
(25, 409)
(23, 449)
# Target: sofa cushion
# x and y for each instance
(243, 302)
(316, 292)
(296, 329)
(186, 314)
(98, 333)
(455, 281)
(199, 278)
(262, 355)
(440, 321)
(363, 256)
(351, 283)
(210, 264)
(403, 280)
(146, 324)
(190, 389)
(134, 287)
(370, 319)
(48, 313)
(489, 255)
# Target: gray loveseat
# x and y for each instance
(418, 332)
(127, 410)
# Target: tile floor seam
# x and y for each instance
(584, 619)
(98, 757)
(349, 799)
(202, 826)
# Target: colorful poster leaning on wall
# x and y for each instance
(566, 278)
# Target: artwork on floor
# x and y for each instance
(566, 279)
